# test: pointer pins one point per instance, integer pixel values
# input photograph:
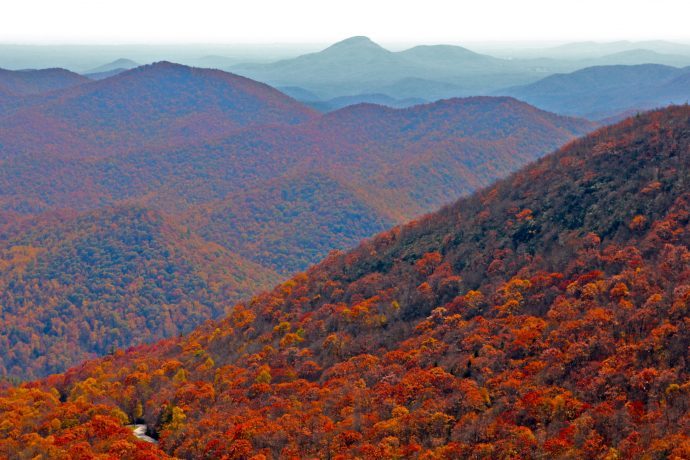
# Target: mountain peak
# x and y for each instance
(121, 63)
(359, 41)
(166, 65)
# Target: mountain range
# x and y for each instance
(541, 317)
(594, 49)
(163, 103)
(606, 91)
(357, 66)
(144, 186)
(110, 69)
(31, 82)
(201, 155)
(358, 70)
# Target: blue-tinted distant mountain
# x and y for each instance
(110, 69)
(452, 58)
(213, 61)
(357, 65)
(31, 82)
(354, 58)
(678, 85)
(606, 91)
(300, 94)
(582, 50)
(328, 105)
(115, 65)
(375, 98)
(104, 75)
(642, 56)
(588, 50)
(423, 88)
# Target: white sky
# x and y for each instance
(323, 21)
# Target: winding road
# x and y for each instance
(140, 432)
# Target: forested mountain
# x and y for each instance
(606, 91)
(371, 166)
(6, 95)
(31, 82)
(344, 101)
(213, 164)
(163, 104)
(542, 317)
(74, 286)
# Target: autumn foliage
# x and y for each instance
(74, 286)
(538, 318)
(137, 207)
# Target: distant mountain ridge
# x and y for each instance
(382, 163)
(110, 69)
(358, 66)
(32, 82)
(604, 91)
(118, 64)
(162, 102)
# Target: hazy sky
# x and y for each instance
(322, 21)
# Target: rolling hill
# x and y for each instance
(117, 64)
(605, 91)
(161, 103)
(542, 317)
(266, 186)
(374, 167)
(341, 102)
(32, 82)
(110, 69)
(641, 56)
(74, 286)
(581, 50)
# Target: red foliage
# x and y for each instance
(576, 348)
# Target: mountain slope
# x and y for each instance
(451, 58)
(544, 317)
(110, 69)
(383, 164)
(642, 56)
(354, 57)
(162, 103)
(344, 101)
(31, 82)
(599, 92)
(117, 64)
(74, 286)
(6, 95)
